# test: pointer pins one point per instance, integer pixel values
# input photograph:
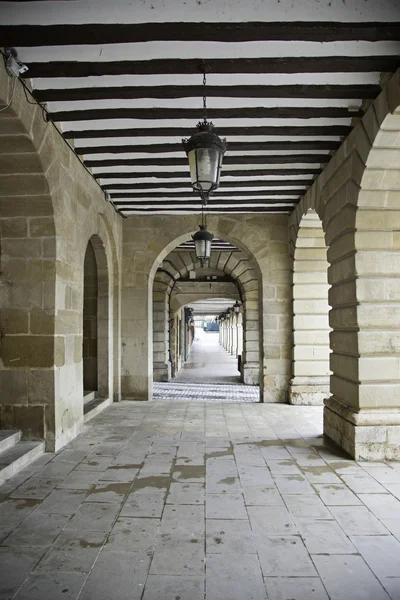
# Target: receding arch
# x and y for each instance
(173, 270)
(311, 370)
(95, 355)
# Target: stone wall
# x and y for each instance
(50, 206)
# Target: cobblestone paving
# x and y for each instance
(215, 501)
(203, 392)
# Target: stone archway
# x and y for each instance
(147, 240)
(358, 198)
(235, 276)
(310, 382)
(95, 353)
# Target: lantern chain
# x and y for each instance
(204, 94)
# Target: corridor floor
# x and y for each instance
(181, 501)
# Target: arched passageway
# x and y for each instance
(95, 353)
(310, 382)
(180, 282)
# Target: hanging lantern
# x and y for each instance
(236, 307)
(202, 243)
(205, 151)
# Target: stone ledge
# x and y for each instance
(364, 417)
(308, 391)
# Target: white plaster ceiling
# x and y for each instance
(287, 82)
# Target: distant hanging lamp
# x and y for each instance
(205, 151)
(202, 241)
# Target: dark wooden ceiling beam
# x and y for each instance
(244, 112)
(238, 209)
(185, 174)
(222, 185)
(219, 194)
(175, 66)
(220, 91)
(289, 130)
(119, 33)
(271, 159)
(233, 147)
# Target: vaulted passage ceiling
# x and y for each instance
(286, 82)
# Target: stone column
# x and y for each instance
(251, 343)
(161, 363)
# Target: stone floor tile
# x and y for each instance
(382, 505)
(310, 507)
(79, 480)
(186, 493)
(225, 506)
(51, 586)
(392, 525)
(35, 488)
(119, 474)
(392, 586)
(221, 484)
(222, 466)
(380, 552)
(117, 575)
(13, 511)
(64, 502)
(295, 588)
(113, 493)
(283, 467)
(262, 496)
(271, 520)
(234, 577)
(274, 451)
(227, 536)
(55, 470)
(179, 519)
(69, 455)
(178, 555)
(259, 476)
(316, 474)
(15, 565)
(94, 516)
(393, 488)
(189, 474)
(357, 520)
(170, 587)
(94, 462)
(131, 533)
(363, 484)
(144, 505)
(333, 494)
(293, 484)
(324, 537)
(151, 485)
(38, 530)
(346, 577)
(284, 556)
(347, 467)
(73, 551)
(382, 474)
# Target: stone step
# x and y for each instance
(8, 438)
(19, 456)
(88, 396)
(94, 407)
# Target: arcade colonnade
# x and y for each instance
(321, 306)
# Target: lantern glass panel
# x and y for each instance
(204, 168)
(203, 248)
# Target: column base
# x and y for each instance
(250, 374)
(366, 434)
(162, 371)
(308, 391)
